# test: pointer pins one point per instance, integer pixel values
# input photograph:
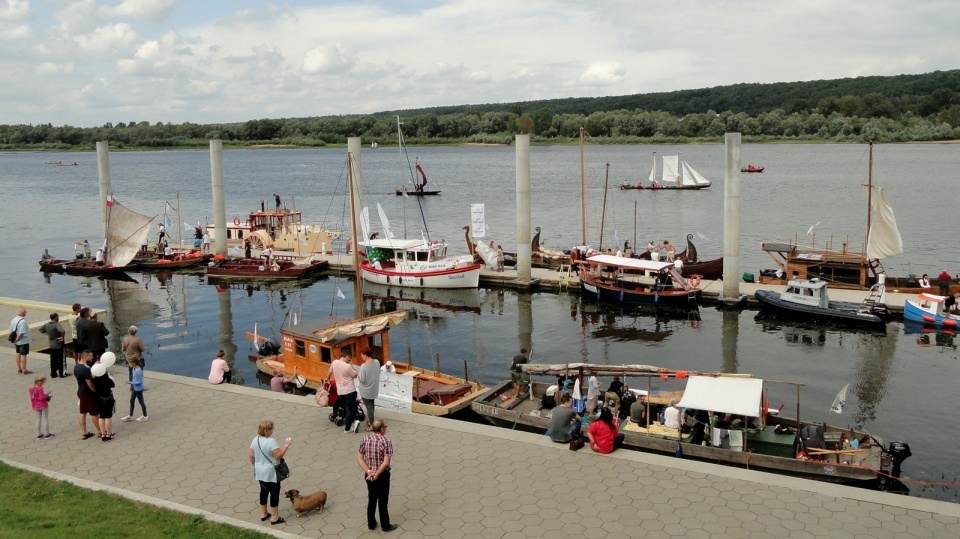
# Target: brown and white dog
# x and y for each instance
(305, 504)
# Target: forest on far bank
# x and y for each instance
(902, 108)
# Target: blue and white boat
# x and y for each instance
(929, 309)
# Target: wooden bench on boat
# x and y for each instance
(433, 392)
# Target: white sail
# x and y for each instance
(127, 230)
(671, 169)
(365, 223)
(884, 239)
(692, 177)
(653, 172)
(385, 223)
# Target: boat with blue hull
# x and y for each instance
(808, 298)
(930, 309)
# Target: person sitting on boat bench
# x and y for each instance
(924, 281)
(564, 422)
(638, 410)
(672, 416)
(951, 303)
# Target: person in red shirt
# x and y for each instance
(944, 283)
(603, 434)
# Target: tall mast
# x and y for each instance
(583, 196)
(179, 223)
(357, 292)
(603, 213)
(869, 192)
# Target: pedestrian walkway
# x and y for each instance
(450, 479)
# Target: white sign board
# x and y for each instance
(477, 220)
(396, 392)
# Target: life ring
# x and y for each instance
(950, 322)
(695, 281)
(928, 318)
(236, 221)
(177, 258)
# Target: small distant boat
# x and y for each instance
(751, 168)
(373, 145)
(928, 309)
(418, 185)
(808, 298)
(676, 174)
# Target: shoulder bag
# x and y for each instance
(323, 395)
(280, 466)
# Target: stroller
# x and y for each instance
(339, 413)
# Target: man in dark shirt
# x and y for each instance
(520, 378)
(87, 394)
(54, 332)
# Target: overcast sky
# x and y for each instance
(88, 62)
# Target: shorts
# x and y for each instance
(520, 378)
(23, 349)
(88, 404)
(105, 407)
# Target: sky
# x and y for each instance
(88, 62)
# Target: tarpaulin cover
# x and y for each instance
(726, 395)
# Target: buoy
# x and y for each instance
(695, 281)
(928, 318)
(950, 322)
(236, 221)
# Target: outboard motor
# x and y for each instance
(269, 348)
(899, 452)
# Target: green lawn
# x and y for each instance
(37, 507)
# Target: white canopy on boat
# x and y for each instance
(628, 263)
(393, 244)
(724, 394)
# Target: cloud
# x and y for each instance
(154, 11)
(54, 68)
(328, 59)
(115, 38)
(15, 10)
(603, 74)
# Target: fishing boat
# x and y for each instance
(751, 168)
(126, 230)
(675, 174)
(190, 260)
(929, 309)
(756, 436)
(808, 299)
(279, 229)
(278, 267)
(629, 280)
(417, 176)
(308, 348)
(843, 268)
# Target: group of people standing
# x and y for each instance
(374, 455)
(83, 337)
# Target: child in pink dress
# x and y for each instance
(39, 400)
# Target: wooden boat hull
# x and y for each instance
(461, 276)
(609, 291)
(80, 267)
(169, 265)
(838, 311)
(709, 270)
(254, 269)
(519, 415)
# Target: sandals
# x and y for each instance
(280, 520)
(264, 517)
(87, 436)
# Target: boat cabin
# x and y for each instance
(308, 348)
(843, 268)
(395, 252)
(931, 303)
(812, 292)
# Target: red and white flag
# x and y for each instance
(109, 200)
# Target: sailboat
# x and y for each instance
(844, 268)
(419, 179)
(413, 263)
(676, 174)
(126, 231)
(309, 348)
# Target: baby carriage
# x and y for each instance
(339, 413)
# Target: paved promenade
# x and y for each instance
(450, 479)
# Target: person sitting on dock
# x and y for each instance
(564, 422)
(603, 434)
(220, 370)
(924, 281)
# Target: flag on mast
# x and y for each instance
(340, 294)
(109, 200)
(837, 406)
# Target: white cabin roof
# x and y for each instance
(400, 244)
(629, 263)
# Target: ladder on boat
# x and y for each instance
(874, 296)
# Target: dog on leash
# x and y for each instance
(305, 504)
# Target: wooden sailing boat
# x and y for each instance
(676, 174)
(308, 349)
(844, 268)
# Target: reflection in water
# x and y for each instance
(927, 336)
(728, 340)
(875, 367)
(127, 304)
(226, 329)
(625, 323)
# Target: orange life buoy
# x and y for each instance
(178, 258)
(928, 318)
(236, 221)
(695, 281)
(950, 322)
(218, 258)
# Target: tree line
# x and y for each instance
(905, 108)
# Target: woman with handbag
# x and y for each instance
(267, 458)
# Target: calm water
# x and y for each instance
(893, 377)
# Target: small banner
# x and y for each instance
(478, 221)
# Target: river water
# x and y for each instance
(902, 383)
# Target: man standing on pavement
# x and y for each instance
(54, 332)
(20, 328)
(345, 373)
(374, 458)
(81, 329)
(70, 339)
(87, 394)
(132, 348)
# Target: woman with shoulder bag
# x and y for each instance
(265, 454)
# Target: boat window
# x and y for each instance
(808, 292)
(239, 234)
(411, 255)
(423, 256)
(793, 290)
(229, 234)
(301, 349)
(324, 355)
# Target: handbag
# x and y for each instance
(280, 466)
(12, 337)
(323, 395)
